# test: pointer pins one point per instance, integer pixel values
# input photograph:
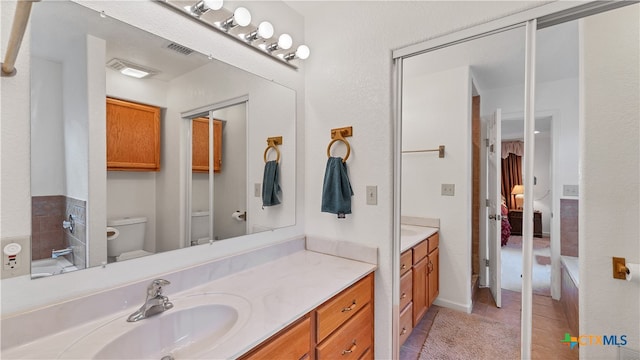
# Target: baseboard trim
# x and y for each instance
(454, 305)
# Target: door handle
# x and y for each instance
(495, 217)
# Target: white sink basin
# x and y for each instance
(194, 326)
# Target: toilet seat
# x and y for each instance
(132, 255)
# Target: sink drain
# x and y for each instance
(167, 357)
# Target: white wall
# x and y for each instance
(436, 110)
(48, 175)
(349, 77)
(610, 155)
(230, 184)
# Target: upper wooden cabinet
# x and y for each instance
(133, 136)
(200, 145)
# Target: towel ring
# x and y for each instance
(339, 138)
(272, 146)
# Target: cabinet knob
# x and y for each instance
(404, 266)
(404, 295)
(404, 331)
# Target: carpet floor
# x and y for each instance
(512, 265)
(460, 336)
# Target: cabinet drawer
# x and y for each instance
(351, 340)
(291, 343)
(368, 355)
(343, 306)
(406, 292)
(405, 262)
(434, 242)
(420, 251)
(406, 323)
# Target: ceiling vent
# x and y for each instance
(130, 69)
(179, 48)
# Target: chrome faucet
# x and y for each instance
(57, 253)
(155, 302)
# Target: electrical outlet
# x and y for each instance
(570, 190)
(372, 195)
(11, 258)
(257, 190)
(448, 189)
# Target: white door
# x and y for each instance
(494, 223)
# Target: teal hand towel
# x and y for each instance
(271, 184)
(336, 189)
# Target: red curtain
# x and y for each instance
(511, 176)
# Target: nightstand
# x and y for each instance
(515, 219)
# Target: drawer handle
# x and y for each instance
(430, 267)
(404, 331)
(404, 295)
(350, 350)
(404, 266)
(353, 306)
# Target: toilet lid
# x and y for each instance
(132, 255)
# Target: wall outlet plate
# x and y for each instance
(257, 190)
(448, 189)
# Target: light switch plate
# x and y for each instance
(372, 195)
(448, 189)
(570, 190)
(257, 190)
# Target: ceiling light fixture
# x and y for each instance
(264, 31)
(203, 6)
(241, 17)
(130, 69)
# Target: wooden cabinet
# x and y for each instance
(342, 327)
(133, 136)
(422, 281)
(515, 220)
(293, 342)
(200, 145)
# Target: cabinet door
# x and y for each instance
(133, 136)
(434, 273)
(420, 288)
(200, 145)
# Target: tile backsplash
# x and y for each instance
(47, 214)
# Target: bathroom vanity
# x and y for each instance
(419, 273)
(296, 301)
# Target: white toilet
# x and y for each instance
(125, 238)
(199, 227)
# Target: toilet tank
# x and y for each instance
(131, 235)
(199, 225)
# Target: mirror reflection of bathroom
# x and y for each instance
(227, 152)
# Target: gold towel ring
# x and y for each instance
(272, 145)
(339, 138)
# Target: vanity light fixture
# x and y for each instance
(203, 6)
(284, 42)
(241, 17)
(224, 21)
(301, 53)
(264, 31)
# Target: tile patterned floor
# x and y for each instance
(549, 325)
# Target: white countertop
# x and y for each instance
(278, 292)
(410, 235)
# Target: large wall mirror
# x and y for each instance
(77, 56)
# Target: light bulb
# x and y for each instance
(303, 52)
(213, 4)
(242, 16)
(265, 30)
(285, 41)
